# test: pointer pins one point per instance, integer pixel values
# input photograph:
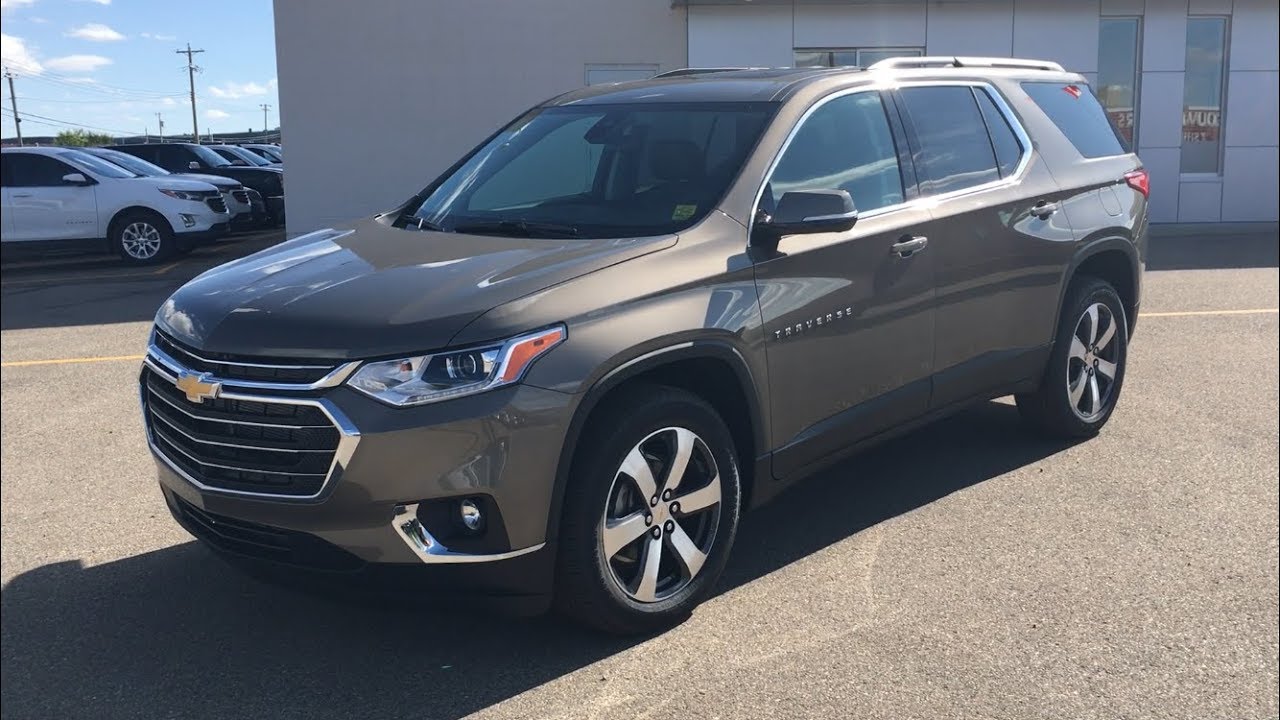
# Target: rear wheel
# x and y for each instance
(1086, 368)
(143, 238)
(650, 513)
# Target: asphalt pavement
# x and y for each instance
(968, 570)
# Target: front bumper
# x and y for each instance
(208, 235)
(387, 497)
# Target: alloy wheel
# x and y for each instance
(1092, 362)
(661, 515)
(140, 240)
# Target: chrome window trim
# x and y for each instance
(333, 379)
(1002, 106)
(347, 442)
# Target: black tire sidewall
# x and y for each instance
(168, 242)
(1085, 294)
(636, 417)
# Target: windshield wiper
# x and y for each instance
(418, 223)
(518, 228)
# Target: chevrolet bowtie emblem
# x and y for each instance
(197, 386)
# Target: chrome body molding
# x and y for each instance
(429, 550)
(333, 378)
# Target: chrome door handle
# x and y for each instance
(910, 245)
(1044, 209)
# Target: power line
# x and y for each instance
(27, 115)
(191, 78)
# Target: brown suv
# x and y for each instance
(561, 371)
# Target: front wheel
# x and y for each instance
(143, 238)
(650, 513)
(1086, 368)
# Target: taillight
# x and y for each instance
(1140, 181)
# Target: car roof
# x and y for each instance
(41, 149)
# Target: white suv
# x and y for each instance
(67, 195)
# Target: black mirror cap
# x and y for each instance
(76, 178)
(809, 211)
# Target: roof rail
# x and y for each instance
(701, 71)
(947, 61)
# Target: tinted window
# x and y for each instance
(170, 157)
(1008, 149)
(1079, 115)
(96, 164)
(599, 170)
(845, 144)
(129, 162)
(36, 170)
(1202, 101)
(206, 156)
(1118, 60)
(955, 150)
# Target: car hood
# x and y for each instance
(222, 183)
(371, 290)
(173, 182)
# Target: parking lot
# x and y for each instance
(967, 570)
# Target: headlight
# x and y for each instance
(445, 375)
(181, 194)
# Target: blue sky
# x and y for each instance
(110, 64)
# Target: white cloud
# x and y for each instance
(97, 32)
(36, 19)
(162, 38)
(216, 114)
(78, 63)
(98, 2)
(169, 101)
(6, 5)
(233, 90)
(15, 54)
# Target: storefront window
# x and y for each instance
(1202, 97)
(842, 57)
(1118, 73)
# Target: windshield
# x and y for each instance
(270, 153)
(598, 171)
(96, 164)
(208, 157)
(133, 164)
(248, 156)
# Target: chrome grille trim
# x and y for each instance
(173, 366)
(192, 415)
(348, 436)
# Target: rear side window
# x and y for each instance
(1079, 115)
(1008, 149)
(36, 171)
(955, 150)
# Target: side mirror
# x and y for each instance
(193, 165)
(76, 179)
(807, 211)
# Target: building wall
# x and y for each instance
(378, 96)
(1068, 32)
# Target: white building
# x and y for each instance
(379, 96)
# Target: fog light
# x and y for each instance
(187, 220)
(470, 516)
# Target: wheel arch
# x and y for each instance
(1111, 258)
(125, 211)
(714, 370)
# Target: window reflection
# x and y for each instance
(1118, 73)
(1202, 95)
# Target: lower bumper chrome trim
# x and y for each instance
(429, 550)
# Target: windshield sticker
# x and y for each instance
(684, 212)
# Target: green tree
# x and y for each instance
(82, 138)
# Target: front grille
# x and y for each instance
(217, 204)
(263, 541)
(240, 196)
(231, 367)
(241, 445)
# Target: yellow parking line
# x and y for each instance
(1193, 313)
(77, 278)
(69, 361)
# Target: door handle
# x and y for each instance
(910, 245)
(22, 194)
(1044, 209)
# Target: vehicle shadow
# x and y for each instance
(177, 633)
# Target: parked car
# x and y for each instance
(270, 152)
(237, 155)
(562, 370)
(189, 157)
(245, 205)
(68, 196)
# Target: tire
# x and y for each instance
(141, 237)
(613, 588)
(1078, 393)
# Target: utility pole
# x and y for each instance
(191, 78)
(13, 100)
(265, 107)
(160, 120)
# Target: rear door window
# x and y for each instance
(1003, 140)
(1079, 115)
(955, 151)
(37, 171)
